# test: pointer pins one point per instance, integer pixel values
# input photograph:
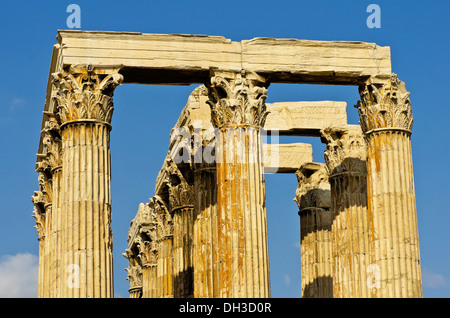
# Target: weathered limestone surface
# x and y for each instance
(386, 120)
(286, 59)
(205, 232)
(285, 158)
(305, 118)
(314, 202)
(345, 158)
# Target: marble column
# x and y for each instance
(83, 97)
(46, 211)
(52, 146)
(39, 213)
(142, 253)
(205, 232)
(164, 268)
(181, 205)
(134, 276)
(345, 158)
(238, 111)
(313, 200)
(386, 120)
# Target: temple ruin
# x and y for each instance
(203, 233)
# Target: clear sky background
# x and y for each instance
(416, 31)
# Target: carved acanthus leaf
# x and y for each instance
(163, 217)
(237, 101)
(134, 276)
(52, 143)
(181, 193)
(346, 149)
(39, 214)
(82, 93)
(384, 104)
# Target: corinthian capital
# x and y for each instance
(237, 99)
(313, 189)
(181, 192)
(52, 144)
(83, 93)
(40, 201)
(384, 104)
(163, 218)
(346, 150)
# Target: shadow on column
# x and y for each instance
(329, 230)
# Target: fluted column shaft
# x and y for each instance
(205, 233)
(181, 204)
(238, 111)
(86, 206)
(350, 235)
(55, 235)
(313, 200)
(183, 270)
(315, 251)
(149, 281)
(83, 98)
(345, 156)
(386, 119)
(46, 202)
(163, 248)
(164, 268)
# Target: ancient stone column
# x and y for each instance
(142, 253)
(84, 101)
(148, 253)
(181, 204)
(238, 110)
(345, 158)
(46, 210)
(386, 120)
(164, 273)
(313, 200)
(205, 232)
(41, 209)
(134, 275)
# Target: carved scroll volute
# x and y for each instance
(384, 104)
(82, 93)
(237, 99)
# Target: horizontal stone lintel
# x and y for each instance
(286, 158)
(305, 118)
(186, 59)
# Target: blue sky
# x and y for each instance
(416, 31)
